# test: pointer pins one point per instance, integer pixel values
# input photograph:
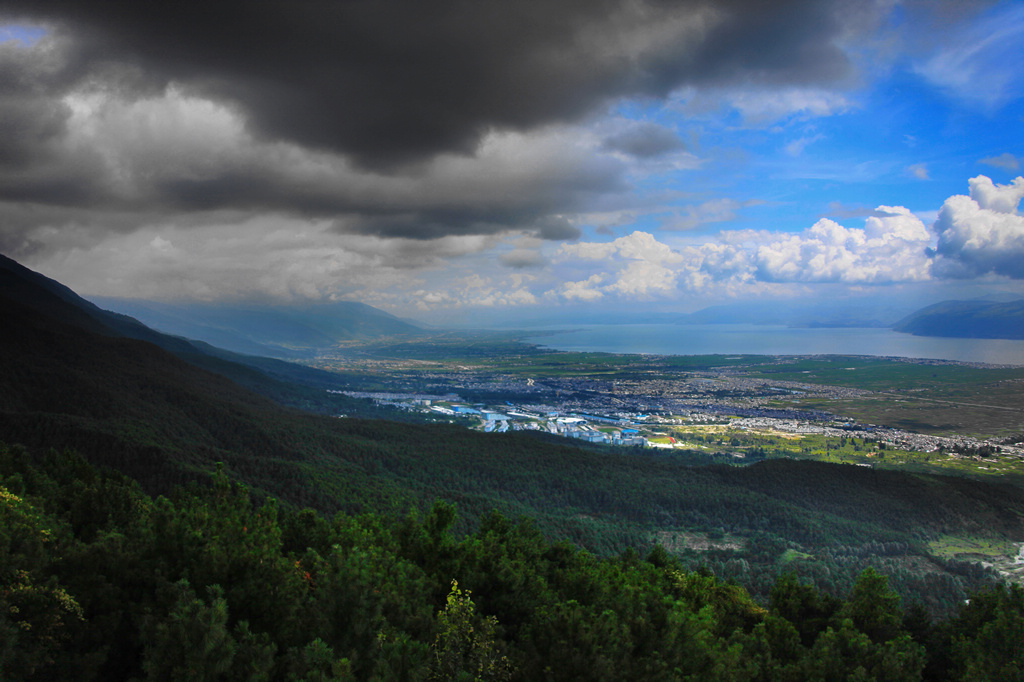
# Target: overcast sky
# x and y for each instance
(451, 159)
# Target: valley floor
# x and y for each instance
(735, 409)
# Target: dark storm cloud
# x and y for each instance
(646, 140)
(395, 81)
(389, 118)
(31, 115)
(440, 222)
(557, 228)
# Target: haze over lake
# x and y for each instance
(709, 339)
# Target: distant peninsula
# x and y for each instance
(967, 320)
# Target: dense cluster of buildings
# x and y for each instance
(596, 412)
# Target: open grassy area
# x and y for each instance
(791, 555)
(991, 410)
(924, 397)
(951, 546)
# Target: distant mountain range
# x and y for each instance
(967, 319)
(859, 313)
(274, 331)
(981, 319)
(847, 313)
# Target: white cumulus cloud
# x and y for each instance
(983, 233)
(636, 265)
(586, 290)
(891, 248)
(999, 198)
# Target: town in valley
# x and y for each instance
(738, 409)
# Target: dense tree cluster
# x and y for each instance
(99, 580)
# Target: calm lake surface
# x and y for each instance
(710, 339)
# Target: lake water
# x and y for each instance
(729, 339)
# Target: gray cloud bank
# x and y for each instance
(396, 81)
(397, 118)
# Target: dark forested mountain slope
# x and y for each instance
(284, 382)
(53, 299)
(66, 381)
(967, 319)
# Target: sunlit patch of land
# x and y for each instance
(791, 555)
(1002, 554)
(678, 541)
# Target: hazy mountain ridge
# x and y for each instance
(967, 319)
(276, 331)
